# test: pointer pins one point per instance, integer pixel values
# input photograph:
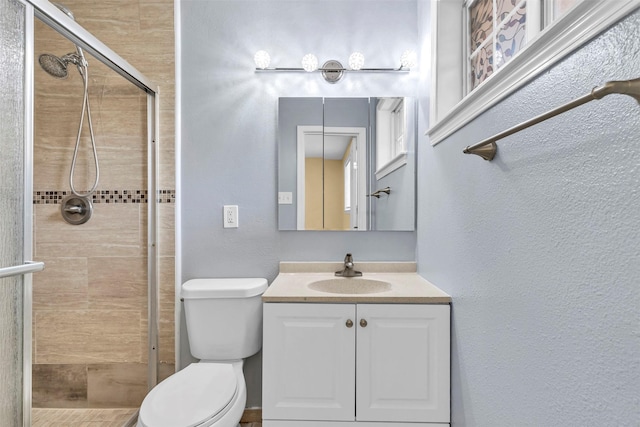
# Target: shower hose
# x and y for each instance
(86, 107)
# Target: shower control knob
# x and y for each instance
(76, 210)
(349, 323)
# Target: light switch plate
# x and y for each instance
(285, 198)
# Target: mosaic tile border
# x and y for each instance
(54, 197)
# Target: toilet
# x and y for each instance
(224, 325)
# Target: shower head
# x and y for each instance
(57, 67)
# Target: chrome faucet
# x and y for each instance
(348, 270)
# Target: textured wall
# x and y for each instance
(229, 117)
(540, 249)
(90, 302)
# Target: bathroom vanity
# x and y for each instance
(355, 351)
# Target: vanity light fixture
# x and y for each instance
(408, 59)
(262, 59)
(356, 61)
(332, 70)
(310, 62)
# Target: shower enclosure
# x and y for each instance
(84, 331)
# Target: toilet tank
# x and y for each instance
(224, 317)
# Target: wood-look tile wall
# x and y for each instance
(90, 302)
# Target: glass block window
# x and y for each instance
(497, 31)
(552, 30)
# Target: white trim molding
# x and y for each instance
(395, 163)
(588, 19)
(360, 134)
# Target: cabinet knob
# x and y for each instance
(349, 323)
(363, 323)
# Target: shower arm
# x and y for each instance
(488, 147)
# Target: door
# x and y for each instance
(308, 362)
(403, 362)
(15, 219)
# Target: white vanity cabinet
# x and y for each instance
(355, 364)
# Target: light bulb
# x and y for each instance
(408, 59)
(262, 59)
(309, 62)
(356, 60)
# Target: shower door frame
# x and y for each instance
(68, 28)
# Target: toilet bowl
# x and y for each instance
(224, 325)
(203, 394)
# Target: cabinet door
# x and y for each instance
(308, 362)
(403, 363)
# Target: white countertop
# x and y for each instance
(407, 286)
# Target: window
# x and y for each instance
(397, 129)
(497, 31)
(497, 46)
(391, 148)
(347, 185)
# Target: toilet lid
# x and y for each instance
(191, 396)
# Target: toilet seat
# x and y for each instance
(196, 396)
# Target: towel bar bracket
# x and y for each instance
(377, 193)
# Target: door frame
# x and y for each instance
(360, 133)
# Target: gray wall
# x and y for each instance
(540, 249)
(293, 112)
(229, 116)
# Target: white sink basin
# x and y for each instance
(353, 285)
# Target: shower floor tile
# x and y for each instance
(41, 417)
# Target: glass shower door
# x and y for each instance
(15, 171)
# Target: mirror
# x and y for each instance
(346, 164)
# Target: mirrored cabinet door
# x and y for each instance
(338, 160)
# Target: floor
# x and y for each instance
(88, 418)
(80, 417)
